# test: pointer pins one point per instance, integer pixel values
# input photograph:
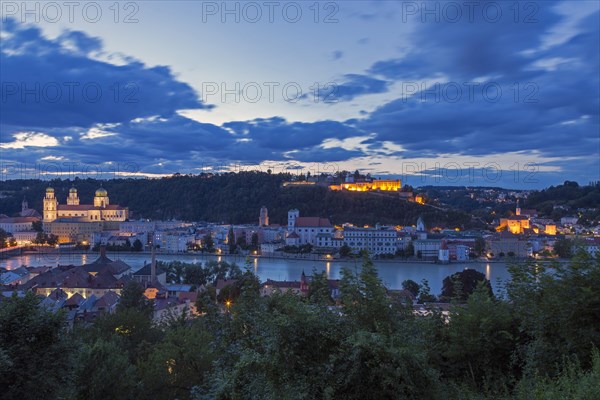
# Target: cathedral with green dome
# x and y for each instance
(100, 210)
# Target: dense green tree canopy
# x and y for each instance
(539, 342)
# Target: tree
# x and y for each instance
(345, 250)
(132, 297)
(481, 339)
(412, 286)
(194, 274)
(425, 295)
(318, 289)
(409, 250)
(479, 246)
(254, 240)
(37, 226)
(4, 237)
(231, 241)
(104, 372)
(558, 310)
(179, 363)
(366, 301)
(368, 367)
(40, 238)
(461, 284)
(241, 242)
(52, 239)
(137, 245)
(35, 347)
(174, 270)
(563, 248)
(208, 242)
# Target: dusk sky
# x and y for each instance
(441, 93)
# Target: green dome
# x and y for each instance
(101, 192)
(72, 190)
(49, 190)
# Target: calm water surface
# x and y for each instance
(392, 273)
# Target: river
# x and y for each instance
(392, 273)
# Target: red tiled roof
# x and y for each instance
(221, 283)
(529, 212)
(313, 221)
(85, 207)
(109, 299)
(18, 220)
(74, 300)
(191, 296)
(282, 284)
(76, 207)
(518, 217)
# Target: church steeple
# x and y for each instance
(24, 205)
(50, 205)
(101, 198)
(73, 199)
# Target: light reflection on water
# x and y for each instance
(391, 273)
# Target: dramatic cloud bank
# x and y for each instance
(468, 90)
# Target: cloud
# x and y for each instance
(337, 55)
(30, 139)
(477, 44)
(56, 83)
(491, 95)
(352, 86)
(547, 106)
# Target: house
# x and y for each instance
(165, 308)
(17, 224)
(144, 275)
(271, 247)
(116, 268)
(569, 220)
(505, 244)
(16, 276)
(427, 249)
(300, 287)
(316, 231)
(271, 286)
(108, 302)
(377, 240)
(94, 279)
(292, 239)
(222, 283)
(592, 246)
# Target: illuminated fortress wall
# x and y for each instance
(386, 185)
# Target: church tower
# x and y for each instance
(518, 210)
(292, 215)
(263, 219)
(24, 205)
(101, 198)
(50, 206)
(73, 200)
(420, 225)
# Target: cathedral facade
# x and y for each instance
(100, 210)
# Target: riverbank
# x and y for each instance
(291, 257)
(391, 272)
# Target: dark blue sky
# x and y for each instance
(436, 92)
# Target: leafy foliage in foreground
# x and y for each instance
(539, 343)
